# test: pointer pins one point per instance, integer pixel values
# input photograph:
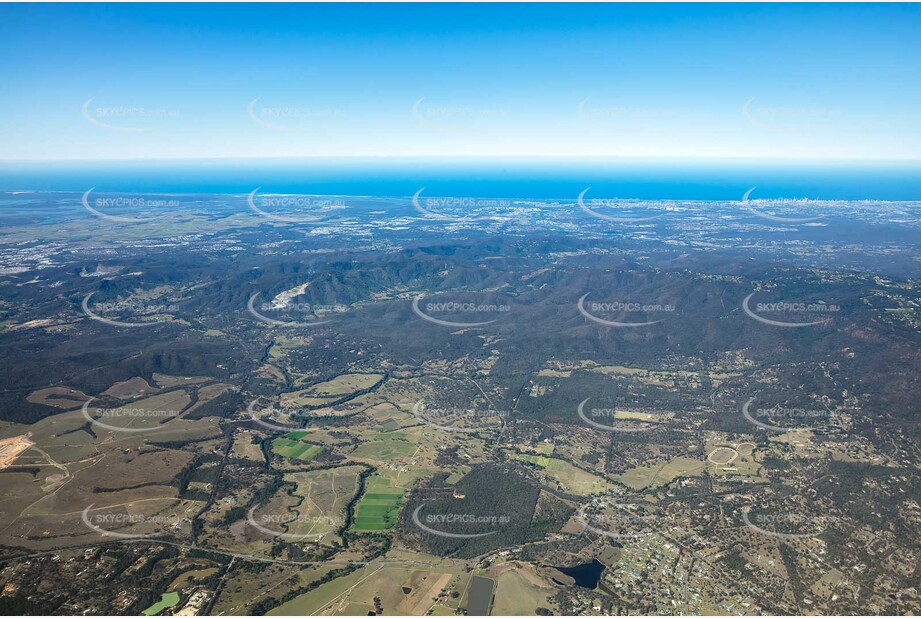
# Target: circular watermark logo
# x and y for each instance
(259, 420)
(426, 207)
(133, 307)
(125, 119)
(428, 522)
(610, 203)
(783, 524)
(311, 203)
(748, 205)
(455, 119)
(291, 119)
(124, 202)
(593, 417)
(128, 414)
(466, 415)
(781, 308)
(288, 307)
(786, 119)
(106, 522)
(780, 413)
(267, 524)
(621, 307)
(457, 308)
(620, 522)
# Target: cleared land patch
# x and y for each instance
(58, 397)
(295, 448)
(130, 388)
(722, 455)
(378, 507)
(324, 495)
(573, 480)
(385, 447)
(662, 474)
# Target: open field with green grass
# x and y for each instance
(727, 460)
(401, 591)
(459, 473)
(346, 383)
(169, 599)
(317, 599)
(520, 591)
(543, 462)
(250, 587)
(294, 448)
(662, 474)
(573, 480)
(324, 495)
(385, 447)
(378, 507)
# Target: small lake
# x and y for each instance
(586, 575)
(480, 596)
(167, 599)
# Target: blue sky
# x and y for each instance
(822, 82)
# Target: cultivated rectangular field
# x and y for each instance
(378, 508)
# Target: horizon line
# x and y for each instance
(468, 157)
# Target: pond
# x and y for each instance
(586, 575)
(480, 596)
(169, 599)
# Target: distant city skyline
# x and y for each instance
(652, 82)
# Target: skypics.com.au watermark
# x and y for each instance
(591, 308)
(453, 307)
(784, 119)
(802, 311)
(447, 525)
(805, 419)
(305, 309)
(99, 205)
(621, 306)
(458, 307)
(126, 413)
(783, 525)
(611, 204)
(288, 118)
(428, 207)
(300, 201)
(108, 523)
(466, 202)
(134, 308)
(128, 119)
(622, 522)
(133, 202)
(127, 519)
(467, 416)
(317, 207)
(268, 524)
(466, 518)
(604, 419)
(453, 118)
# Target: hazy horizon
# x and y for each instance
(782, 81)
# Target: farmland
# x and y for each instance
(377, 509)
(293, 446)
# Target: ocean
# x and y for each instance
(527, 179)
